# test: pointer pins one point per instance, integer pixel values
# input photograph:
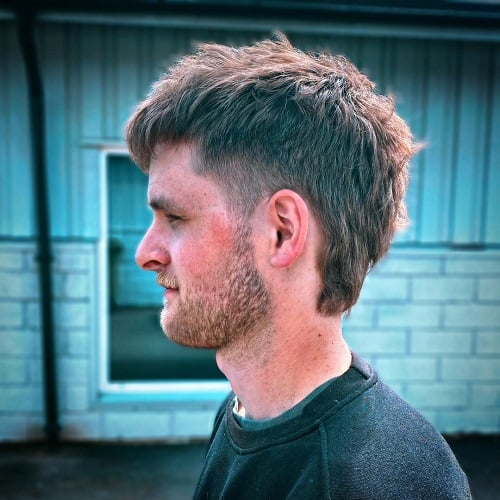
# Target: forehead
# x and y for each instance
(172, 177)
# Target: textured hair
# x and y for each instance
(267, 117)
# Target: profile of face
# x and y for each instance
(214, 293)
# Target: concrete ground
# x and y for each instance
(99, 471)
(125, 471)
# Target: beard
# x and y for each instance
(231, 304)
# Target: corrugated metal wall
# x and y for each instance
(449, 91)
(427, 320)
(16, 199)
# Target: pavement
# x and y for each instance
(164, 471)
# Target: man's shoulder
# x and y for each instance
(378, 421)
(378, 446)
(356, 439)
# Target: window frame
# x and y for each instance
(170, 390)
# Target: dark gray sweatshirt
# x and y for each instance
(355, 439)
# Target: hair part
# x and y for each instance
(267, 117)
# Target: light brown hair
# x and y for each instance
(267, 117)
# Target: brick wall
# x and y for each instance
(84, 413)
(21, 379)
(21, 398)
(429, 321)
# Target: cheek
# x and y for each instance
(204, 253)
(187, 257)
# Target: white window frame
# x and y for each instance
(193, 390)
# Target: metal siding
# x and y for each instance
(94, 75)
(54, 65)
(91, 97)
(437, 154)
(492, 205)
(109, 88)
(377, 56)
(5, 171)
(91, 107)
(127, 88)
(407, 82)
(16, 192)
(72, 82)
(470, 145)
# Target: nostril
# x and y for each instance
(151, 259)
(151, 265)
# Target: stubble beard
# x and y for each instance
(234, 305)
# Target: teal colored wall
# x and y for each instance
(449, 91)
(428, 318)
(16, 198)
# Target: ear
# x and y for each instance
(289, 218)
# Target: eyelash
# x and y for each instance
(172, 217)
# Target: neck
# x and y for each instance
(277, 369)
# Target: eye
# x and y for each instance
(171, 218)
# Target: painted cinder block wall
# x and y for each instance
(429, 315)
(428, 321)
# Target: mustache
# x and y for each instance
(166, 280)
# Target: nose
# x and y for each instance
(152, 254)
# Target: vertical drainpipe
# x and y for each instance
(26, 37)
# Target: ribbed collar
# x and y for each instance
(336, 394)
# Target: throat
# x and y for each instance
(269, 385)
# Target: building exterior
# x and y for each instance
(429, 315)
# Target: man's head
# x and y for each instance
(268, 117)
(215, 294)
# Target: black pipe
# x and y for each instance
(26, 37)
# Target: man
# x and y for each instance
(276, 181)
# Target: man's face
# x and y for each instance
(214, 294)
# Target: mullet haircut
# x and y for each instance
(267, 117)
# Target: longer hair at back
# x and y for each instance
(268, 116)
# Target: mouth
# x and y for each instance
(167, 282)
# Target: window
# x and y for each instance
(135, 350)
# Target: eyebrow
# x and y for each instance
(162, 203)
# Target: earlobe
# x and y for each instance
(289, 216)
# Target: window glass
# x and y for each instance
(138, 348)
